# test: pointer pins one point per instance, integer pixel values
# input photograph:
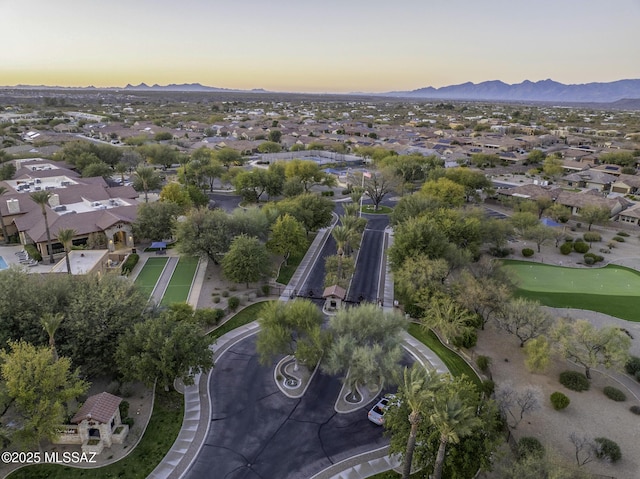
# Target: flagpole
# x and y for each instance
(361, 195)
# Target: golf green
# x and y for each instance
(149, 275)
(613, 290)
(181, 279)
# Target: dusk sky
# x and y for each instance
(317, 46)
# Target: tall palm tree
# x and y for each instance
(417, 388)
(42, 198)
(453, 420)
(51, 323)
(146, 179)
(5, 237)
(65, 236)
(342, 236)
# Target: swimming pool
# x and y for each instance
(3, 263)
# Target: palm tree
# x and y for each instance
(65, 236)
(417, 391)
(453, 419)
(5, 237)
(42, 198)
(145, 179)
(342, 236)
(51, 323)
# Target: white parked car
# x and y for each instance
(376, 414)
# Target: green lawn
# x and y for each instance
(163, 428)
(382, 210)
(148, 276)
(180, 283)
(457, 366)
(247, 315)
(612, 290)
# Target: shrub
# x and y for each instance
(216, 299)
(225, 294)
(488, 386)
(633, 365)
(328, 193)
(589, 260)
(530, 447)
(124, 410)
(623, 233)
(234, 302)
(346, 192)
(483, 363)
(578, 225)
(574, 380)
(591, 236)
(559, 400)
(527, 252)
(635, 410)
(33, 252)
(128, 421)
(611, 244)
(580, 247)
(619, 239)
(614, 394)
(568, 239)
(266, 289)
(113, 387)
(500, 252)
(130, 263)
(595, 257)
(566, 248)
(609, 450)
(209, 316)
(126, 390)
(466, 340)
(637, 375)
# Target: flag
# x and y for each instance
(366, 174)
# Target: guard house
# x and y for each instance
(96, 425)
(334, 297)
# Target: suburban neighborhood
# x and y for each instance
(317, 286)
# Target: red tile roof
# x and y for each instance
(100, 408)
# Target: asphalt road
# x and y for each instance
(258, 433)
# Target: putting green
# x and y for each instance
(612, 290)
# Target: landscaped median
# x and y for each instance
(612, 290)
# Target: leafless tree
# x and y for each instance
(514, 404)
(586, 448)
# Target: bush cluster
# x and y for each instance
(619, 239)
(233, 303)
(566, 248)
(580, 247)
(483, 363)
(574, 380)
(33, 252)
(595, 258)
(614, 394)
(488, 386)
(635, 410)
(530, 447)
(591, 236)
(466, 340)
(609, 450)
(633, 367)
(623, 233)
(559, 400)
(500, 252)
(527, 252)
(327, 193)
(130, 263)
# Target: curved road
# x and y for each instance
(256, 432)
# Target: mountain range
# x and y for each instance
(495, 90)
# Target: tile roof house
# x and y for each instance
(96, 425)
(100, 215)
(590, 179)
(576, 201)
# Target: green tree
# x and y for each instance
(269, 147)
(418, 273)
(287, 237)
(536, 156)
(247, 260)
(447, 316)
(380, 184)
(538, 354)
(473, 181)
(414, 237)
(99, 168)
(579, 341)
(275, 136)
(453, 418)
(594, 214)
(309, 173)
(485, 296)
(539, 234)
(365, 347)
(417, 389)
(178, 194)
(228, 156)
(311, 210)
(444, 191)
(204, 233)
(65, 236)
(559, 213)
(552, 166)
(42, 199)
(50, 323)
(146, 179)
(155, 220)
(522, 221)
(291, 328)
(251, 184)
(164, 348)
(525, 319)
(40, 387)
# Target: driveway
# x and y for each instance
(257, 432)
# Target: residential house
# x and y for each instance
(626, 185)
(576, 201)
(589, 179)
